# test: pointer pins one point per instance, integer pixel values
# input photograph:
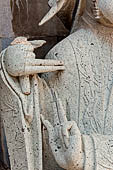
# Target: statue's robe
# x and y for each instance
(86, 90)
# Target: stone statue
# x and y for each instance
(75, 103)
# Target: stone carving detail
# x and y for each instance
(75, 105)
(19, 102)
(85, 87)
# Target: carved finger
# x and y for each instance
(74, 129)
(51, 132)
(37, 43)
(30, 108)
(20, 69)
(65, 132)
(57, 5)
(65, 136)
(40, 62)
(75, 144)
(67, 129)
(23, 41)
(48, 125)
(29, 70)
(25, 84)
(57, 151)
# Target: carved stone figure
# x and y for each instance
(76, 104)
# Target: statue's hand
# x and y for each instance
(19, 59)
(55, 5)
(64, 139)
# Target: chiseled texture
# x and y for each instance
(23, 140)
(20, 111)
(85, 88)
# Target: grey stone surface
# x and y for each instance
(85, 87)
(20, 102)
(75, 104)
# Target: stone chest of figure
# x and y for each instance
(77, 103)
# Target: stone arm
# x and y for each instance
(19, 62)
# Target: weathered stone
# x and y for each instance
(85, 88)
(20, 102)
(74, 105)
